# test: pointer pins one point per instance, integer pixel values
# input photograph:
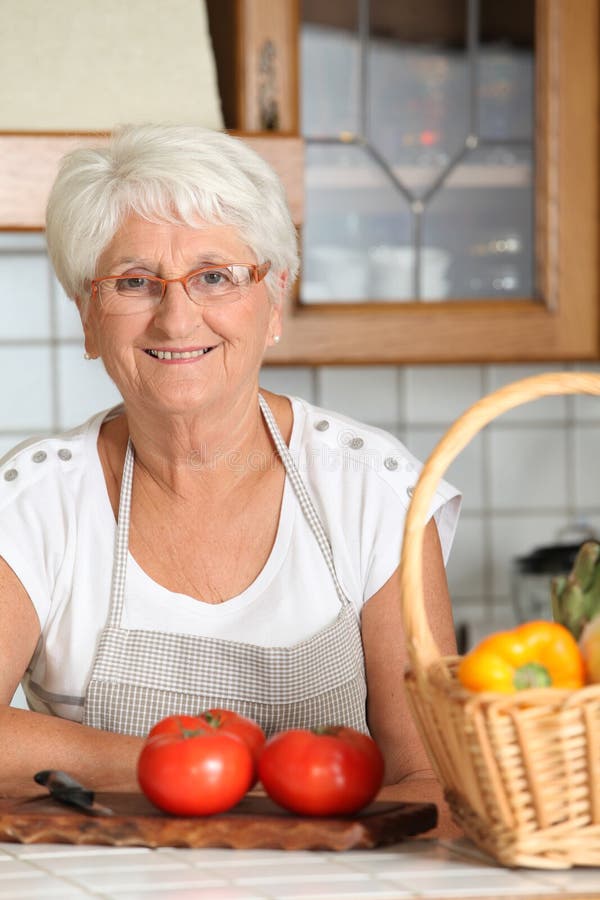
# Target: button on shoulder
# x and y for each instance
(33, 460)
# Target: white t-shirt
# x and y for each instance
(57, 532)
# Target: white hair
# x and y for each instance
(165, 173)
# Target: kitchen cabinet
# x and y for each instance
(555, 315)
(257, 50)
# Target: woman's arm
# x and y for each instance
(408, 773)
(31, 741)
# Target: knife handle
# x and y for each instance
(64, 787)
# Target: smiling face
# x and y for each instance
(223, 346)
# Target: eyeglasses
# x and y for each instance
(208, 286)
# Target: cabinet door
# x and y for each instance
(552, 314)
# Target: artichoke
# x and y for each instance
(576, 597)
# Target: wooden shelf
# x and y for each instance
(335, 178)
(30, 162)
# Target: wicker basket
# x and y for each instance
(521, 772)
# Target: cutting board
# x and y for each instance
(254, 822)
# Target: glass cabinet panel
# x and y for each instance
(330, 73)
(343, 186)
(418, 120)
(483, 218)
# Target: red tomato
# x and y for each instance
(175, 725)
(246, 729)
(321, 771)
(195, 772)
(222, 720)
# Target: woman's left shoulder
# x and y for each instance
(334, 441)
(351, 465)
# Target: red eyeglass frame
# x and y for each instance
(258, 270)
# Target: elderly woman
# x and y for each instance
(206, 543)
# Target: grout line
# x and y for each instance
(33, 250)
(59, 876)
(486, 505)
(401, 399)
(54, 378)
(31, 431)
(499, 425)
(316, 386)
(511, 512)
(570, 459)
(40, 342)
(19, 432)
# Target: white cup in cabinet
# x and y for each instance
(343, 271)
(391, 272)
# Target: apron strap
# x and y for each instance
(122, 532)
(306, 504)
(121, 541)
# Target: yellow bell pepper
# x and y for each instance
(536, 654)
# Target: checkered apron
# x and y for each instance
(140, 676)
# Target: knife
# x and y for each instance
(65, 789)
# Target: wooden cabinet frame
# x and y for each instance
(562, 325)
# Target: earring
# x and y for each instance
(276, 338)
(86, 355)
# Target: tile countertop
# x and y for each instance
(414, 868)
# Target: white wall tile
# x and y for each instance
(294, 380)
(440, 393)
(589, 522)
(467, 609)
(480, 621)
(549, 409)
(25, 377)
(422, 439)
(37, 884)
(527, 467)
(366, 393)
(500, 619)
(587, 407)
(24, 295)
(113, 881)
(83, 387)
(7, 442)
(68, 323)
(466, 564)
(402, 435)
(22, 240)
(587, 469)
(465, 473)
(513, 536)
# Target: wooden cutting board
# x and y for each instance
(253, 823)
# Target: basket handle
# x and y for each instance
(422, 649)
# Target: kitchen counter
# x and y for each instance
(414, 868)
